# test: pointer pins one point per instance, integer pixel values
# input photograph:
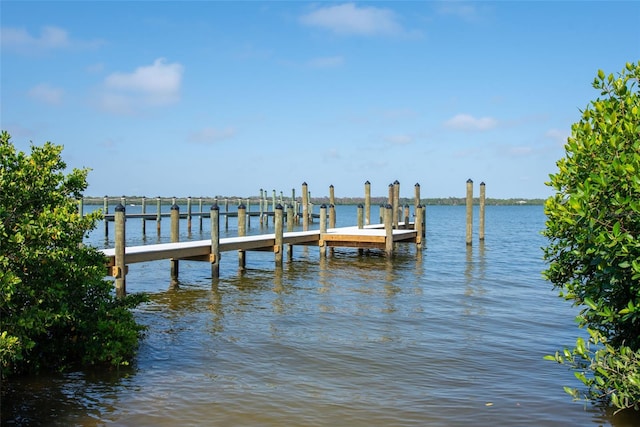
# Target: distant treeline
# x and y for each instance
(375, 201)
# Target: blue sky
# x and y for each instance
(209, 98)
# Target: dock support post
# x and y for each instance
(382, 208)
(120, 267)
(367, 203)
(215, 241)
(144, 220)
(305, 207)
(419, 226)
(417, 196)
(332, 195)
(482, 205)
(226, 214)
(158, 214)
(189, 215)
(469, 211)
(360, 223)
(105, 211)
(278, 225)
(175, 236)
(388, 228)
(323, 229)
(332, 216)
(242, 231)
(290, 222)
(396, 203)
(406, 217)
(201, 213)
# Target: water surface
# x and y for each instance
(449, 336)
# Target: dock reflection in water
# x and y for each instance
(452, 337)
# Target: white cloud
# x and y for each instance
(326, 62)
(467, 122)
(50, 38)
(147, 86)
(46, 93)
(211, 135)
(347, 19)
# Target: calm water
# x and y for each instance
(451, 336)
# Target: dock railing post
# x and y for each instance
(469, 211)
(215, 241)
(323, 229)
(482, 206)
(278, 225)
(367, 203)
(419, 226)
(120, 261)
(388, 228)
(175, 237)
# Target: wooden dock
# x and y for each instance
(377, 236)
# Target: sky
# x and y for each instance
(207, 98)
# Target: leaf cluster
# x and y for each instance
(56, 308)
(593, 227)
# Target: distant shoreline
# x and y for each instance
(375, 201)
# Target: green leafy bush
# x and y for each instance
(593, 226)
(56, 308)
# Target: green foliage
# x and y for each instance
(56, 309)
(593, 226)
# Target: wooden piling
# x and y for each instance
(469, 236)
(367, 203)
(383, 206)
(388, 227)
(419, 226)
(406, 216)
(332, 216)
(226, 216)
(360, 217)
(332, 196)
(175, 237)
(323, 229)
(144, 210)
(158, 214)
(215, 241)
(242, 231)
(482, 208)
(290, 222)
(120, 269)
(305, 207)
(416, 201)
(396, 203)
(279, 234)
(189, 215)
(201, 213)
(105, 211)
